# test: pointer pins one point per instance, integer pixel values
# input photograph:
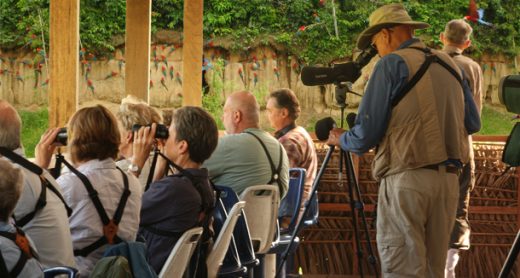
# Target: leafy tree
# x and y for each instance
(304, 27)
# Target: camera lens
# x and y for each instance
(61, 137)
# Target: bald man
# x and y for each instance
(247, 155)
(49, 228)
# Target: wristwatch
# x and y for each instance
(134, 168)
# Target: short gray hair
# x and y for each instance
(11, 188)
(10, 126)
(457, 31)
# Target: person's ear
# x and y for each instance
(237, 116)
(467, 44)
(441, 37)
(285, 112)
(129, 138)
(183, 147)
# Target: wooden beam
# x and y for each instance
(63, 60)
(192, 53)
(137, 47)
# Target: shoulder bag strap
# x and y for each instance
(275, 173)
(429, 59)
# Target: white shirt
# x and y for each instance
(49, 229)
(85, 224)
(143, 176)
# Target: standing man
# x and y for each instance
(420, 124)
(247, 155)
(283, 108)
(456, 38)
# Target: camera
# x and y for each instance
(161, 132)
(61, 137)
(312, 76)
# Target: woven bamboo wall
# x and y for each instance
(330, 248)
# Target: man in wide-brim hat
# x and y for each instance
(420, 131)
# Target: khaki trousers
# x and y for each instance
(415, 215)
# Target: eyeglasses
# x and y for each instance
(374, 38)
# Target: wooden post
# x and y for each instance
(137, 47)
(63, 60)
(192, 53)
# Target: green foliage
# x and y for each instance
(495, 121)
(306, 28)
(34, 124)
(212, 101)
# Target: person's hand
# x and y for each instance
(45, 148)
(334, 136)
(144, 140)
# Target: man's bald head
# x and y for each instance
(10, 126)
(241, 111)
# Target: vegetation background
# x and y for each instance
(305, 28)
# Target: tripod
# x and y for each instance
(356, 205)
(356, 202)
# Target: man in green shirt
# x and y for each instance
(247, 155)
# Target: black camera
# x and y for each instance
(61, 137)
(351, 71)
(161, 132)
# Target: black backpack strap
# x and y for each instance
(40, 204)
(3, 268)
(92, 193)
(429, 59)
(275, 172)
(26, 252)
(110, 226)
(20, 160)
(58, 194)
(42, 199)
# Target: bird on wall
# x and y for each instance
(476, 15)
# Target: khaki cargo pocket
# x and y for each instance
(391, 253)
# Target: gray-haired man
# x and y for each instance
(456, 38)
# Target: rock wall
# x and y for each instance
(23, 76)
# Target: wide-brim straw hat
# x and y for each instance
(385, 17)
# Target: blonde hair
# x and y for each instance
(142, 114)
(93, 134)
(11, 188)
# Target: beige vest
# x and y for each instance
(427, 126)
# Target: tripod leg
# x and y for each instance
(351, 178)
(511, 257)
(299, 225)
(360, 209)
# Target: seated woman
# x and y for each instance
(93, 142)
(10, 253)
(133, 111)
(185, 199)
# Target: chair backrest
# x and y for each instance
(262, 202)
(232, 260)
(220, 247)
(70, 272)
(181, 253)
(241, 233)
(291, 203)
(313, 212)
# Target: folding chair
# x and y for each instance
(244, 247)
(181, 253)
(262, 202)
(220, 247)
(52, 272)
